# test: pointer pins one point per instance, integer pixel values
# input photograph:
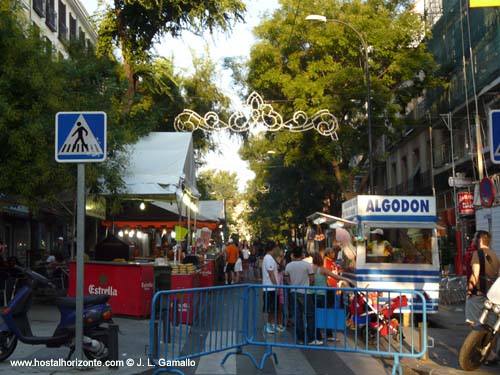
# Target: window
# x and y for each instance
(63, 29)
(51, 16)
(72, 28)
(399, 245)
(81, 36)
(39, 8)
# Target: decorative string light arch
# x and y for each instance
(261, 114)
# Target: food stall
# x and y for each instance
(160, 195)
(395, 244)
(129, 285)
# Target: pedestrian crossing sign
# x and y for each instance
(80, 137)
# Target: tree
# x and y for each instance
(298, 65)
(135, 25)
(222, 185)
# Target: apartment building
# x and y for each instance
(437, 153)
(21, 235)
(61, 21)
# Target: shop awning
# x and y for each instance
(320, 218)
(208, 210)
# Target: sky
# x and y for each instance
(219, 46)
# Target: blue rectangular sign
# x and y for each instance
(495, 136)
(80, 137)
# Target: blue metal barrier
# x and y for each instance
(191, 323)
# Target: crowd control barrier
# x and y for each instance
(190, 323)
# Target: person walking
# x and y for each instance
(300, 273)
(245, 255)
(232, 254)
(270, 277)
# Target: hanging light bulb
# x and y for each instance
(142, 206)
(120, 233)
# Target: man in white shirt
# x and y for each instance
(300, 273)
(270, 277)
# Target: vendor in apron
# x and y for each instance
(378, 250)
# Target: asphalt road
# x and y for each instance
(446, 328)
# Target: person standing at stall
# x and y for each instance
(378, 249)
(300, 273)
(270, 277)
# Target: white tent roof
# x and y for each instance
(158, 163)
(208, 210)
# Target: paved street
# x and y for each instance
(446, 328)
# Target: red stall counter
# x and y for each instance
(129, 285)
(184, 300)
(206, 275)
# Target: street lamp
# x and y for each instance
(316, 17)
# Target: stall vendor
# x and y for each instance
(378, 248)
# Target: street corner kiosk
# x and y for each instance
(396, 244)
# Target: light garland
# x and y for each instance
(263, 114)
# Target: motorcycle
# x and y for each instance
(16, 325)
(479, 343)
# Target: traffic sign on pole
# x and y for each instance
(494, 122)
(80, 137)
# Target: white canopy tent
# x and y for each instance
(161, 166)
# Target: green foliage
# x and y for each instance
(300, 65)
(134, 26)
(220, 185)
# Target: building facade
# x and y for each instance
(21, 234)
(438, 153)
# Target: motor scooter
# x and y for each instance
(479, 343)
(16, 325)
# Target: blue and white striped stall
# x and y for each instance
(396, 244)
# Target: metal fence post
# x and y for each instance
(422, 341)
(113, 344)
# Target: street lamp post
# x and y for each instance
(316, 17)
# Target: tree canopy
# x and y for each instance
(31, 93)
(135, 25)
(299, 65)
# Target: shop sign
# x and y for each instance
(466, 203)
(487, 192)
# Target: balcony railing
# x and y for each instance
(420, 184)
(39, 7)
(51, 20)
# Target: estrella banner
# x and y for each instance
(484, 3)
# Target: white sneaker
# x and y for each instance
(315, 342)
(280, 328)
(270, 329)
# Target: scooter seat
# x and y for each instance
(87, 300)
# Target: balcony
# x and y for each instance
(420, 184)
(39, 7)
(51, 19)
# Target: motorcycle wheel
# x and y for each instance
(99, 334)
(8, 343)
(470, 357)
